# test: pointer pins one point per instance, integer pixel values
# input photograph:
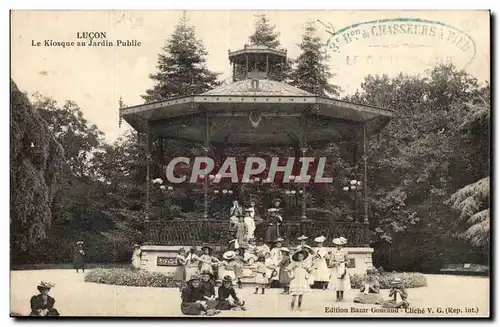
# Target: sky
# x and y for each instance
(96, 77)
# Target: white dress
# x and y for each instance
(250, 227)
(299, 283)
(191, 265)
(339, 259)
(320, 268)
(261, 274)
(136, 259)
(276, 256)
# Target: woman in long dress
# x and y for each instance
(79, 257)
(272, 231)
(321, 274)
(339, 277)
(136, 257)
(299, 274)
(192, 263)
(180, 271)
(250, 222)
(235, 211)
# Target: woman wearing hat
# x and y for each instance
(369, 293)
(193, 301)
(272, 230)
(235, 211)
(321, 274)
(180, 271)
(206, 260)
(136, 257)
(284, 277)
(398, 294)
(299, 274)
(250, 222)
(79, 257)
(192, 263)
(43, 304)
(339, 278)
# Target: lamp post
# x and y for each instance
(165, 189)
(294, 191)
(354, 186)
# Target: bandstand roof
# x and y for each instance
(226, 113)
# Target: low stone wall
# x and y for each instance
(162, 258)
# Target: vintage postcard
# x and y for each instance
(250, 164)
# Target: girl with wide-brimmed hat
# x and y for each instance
(299, 274)
(339, 277)
(284, 276)
(228, 265)
(277, 254)
(43, 304)
(79, 257)
(192, 262)
(321, 274)
(261, 279)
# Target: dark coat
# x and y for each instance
(284, 276)
(38, 303)
(79, 260)
(208, 288)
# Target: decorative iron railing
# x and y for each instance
(217, 232)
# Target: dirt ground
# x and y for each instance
(445, 296)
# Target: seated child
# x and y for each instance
(369, 292)
(399, 295)
(226, 290)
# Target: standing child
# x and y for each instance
(192, 263)
(206, 260)
(271, 271)
(339, 277)
(228, 265)
(299, 274)
(284, 276)
(180, 271)
(260, 277)
(321, 274)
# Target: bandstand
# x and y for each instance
(256, 109)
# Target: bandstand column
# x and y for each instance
(205, 185)
(365, 188)
(148, 163)
(303, 150)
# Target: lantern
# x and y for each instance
(353, 182)
(346, 188)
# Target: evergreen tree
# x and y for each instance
(265, 33)
(181, 68)
(312, 72)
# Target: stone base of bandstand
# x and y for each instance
(162, 258)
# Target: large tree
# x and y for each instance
(35, 170)
(181, 67)
(265, 33)
(312, 72)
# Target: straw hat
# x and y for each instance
(285, 250)
(44, 285)
(136, 245)
(296, 254)
(279, 239)
(229, 255)
(206, 247)
(339, 241)
(272, 210)
(302, 238)
(79, 243)
(206, 272)
(227, 279)
(396, 281)
(320, 239)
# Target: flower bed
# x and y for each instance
(410, 279)
(128, 277)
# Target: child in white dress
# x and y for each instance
(299, 274)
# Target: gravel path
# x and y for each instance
(453, 295)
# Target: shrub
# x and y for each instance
(128, 277)
(410, 280)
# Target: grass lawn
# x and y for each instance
(74, 297)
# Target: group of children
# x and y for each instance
(294, 269)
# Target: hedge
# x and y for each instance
(410, 279)
(128, 277)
